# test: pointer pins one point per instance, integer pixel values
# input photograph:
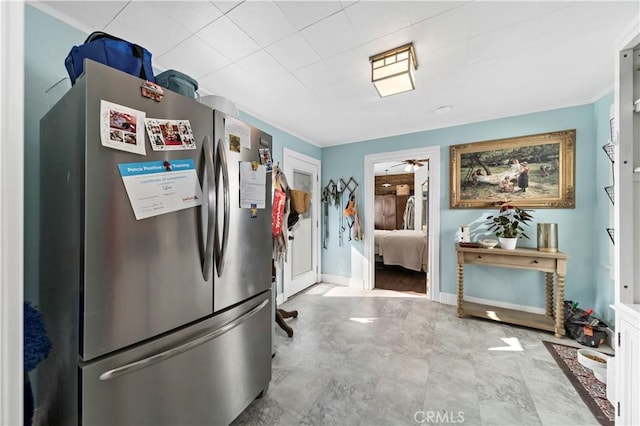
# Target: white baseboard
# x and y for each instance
(448, 299)
(280, 299)
(356, 283)
(452, 299)
(335, 279)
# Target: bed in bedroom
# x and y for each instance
(406, 248)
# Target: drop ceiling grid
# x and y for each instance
(299, 65)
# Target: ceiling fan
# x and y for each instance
(411, 165)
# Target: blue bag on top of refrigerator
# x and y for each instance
(112, 51)
(178, 82)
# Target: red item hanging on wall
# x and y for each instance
(277, 212)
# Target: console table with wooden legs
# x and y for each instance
(522, 258)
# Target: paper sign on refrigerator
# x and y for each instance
(157, 187)
(253, 181)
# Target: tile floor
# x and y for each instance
(384, 358)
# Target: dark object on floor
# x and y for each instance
(281, 314)
(582, 326)
(398, 278)
(592, 392)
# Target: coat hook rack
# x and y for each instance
(333, 193)
(351, 185)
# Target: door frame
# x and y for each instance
(289, 154)
(11, 210)
(433, 154)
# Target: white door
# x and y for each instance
(303, 253)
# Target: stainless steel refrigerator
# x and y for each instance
(164, 320)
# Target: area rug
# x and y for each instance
(592, 392)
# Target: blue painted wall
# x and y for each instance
(282, 140)
(581, 230)
(47, 43)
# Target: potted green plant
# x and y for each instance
(507, 225)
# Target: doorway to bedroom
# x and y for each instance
(402, 208)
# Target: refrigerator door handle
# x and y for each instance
(162, 356)
(221, 166)
(211, 208)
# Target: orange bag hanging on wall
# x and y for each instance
(277, 212)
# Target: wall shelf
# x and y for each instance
(611, 233)
(609, 191)
(609, 148)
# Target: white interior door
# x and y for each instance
(303, 254)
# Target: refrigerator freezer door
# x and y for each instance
(203, 375)
(243, 247)
(136, 278)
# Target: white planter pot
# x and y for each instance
(508, 243)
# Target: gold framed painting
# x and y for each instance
(529, 171)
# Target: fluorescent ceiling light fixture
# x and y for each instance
(393, 71)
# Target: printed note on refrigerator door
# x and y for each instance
(158, 187)
(253, 182)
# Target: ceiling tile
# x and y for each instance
(192, 15)
(352, 88)
(262, 66)
(229, 81)
(305, 13)
(154, 38)
(599, 14)
(263, 21)
(557, 26)
(388, 42)
(316, 75)
(551, 6)
(353, 62)
(193, 57)
(228, 39)
(293, 52)
(226, 5)
(88, 16)
(442, 60)
(473, 55)
(375, 19)
(290, 88)
(491, 16)
(346, 3)
(504, 42)
(331, 35)
(421, 10)
(442, 30)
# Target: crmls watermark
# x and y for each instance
(439, 417)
